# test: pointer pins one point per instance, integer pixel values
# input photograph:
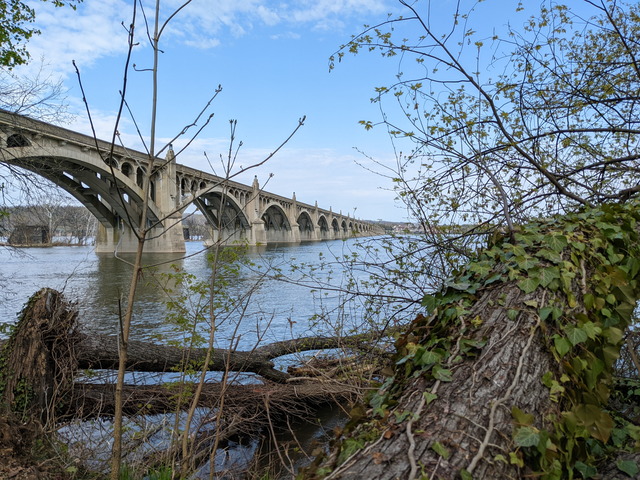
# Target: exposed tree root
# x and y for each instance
(38, 362)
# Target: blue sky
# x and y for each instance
(271, 59)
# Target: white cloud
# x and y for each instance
(268, 16)
(91, 32)
(285, 35)
(203, 43)
(95, 30)
(204, 19)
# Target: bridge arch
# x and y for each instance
(91, 183)
(323, 225)
(276, 224)
(335, 227)
(343, 228)
(140, 171)
(305, 226)
(17, 140)
(225, 215)
(126, 168)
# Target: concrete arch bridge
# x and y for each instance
(110, 186)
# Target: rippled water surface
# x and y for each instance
(275, 311)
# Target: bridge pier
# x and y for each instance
(295, 233)
(258, 232)
(159, 239)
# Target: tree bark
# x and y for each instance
(471, 416)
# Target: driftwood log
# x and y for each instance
(101, 351)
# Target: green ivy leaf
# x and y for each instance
(547, 275)
(429, 397)
(578, 246)
(441, 374)
(526, 262)
(546, 379)
(575, 335)
(465, 475)
(441, 450)
(481, 268)
(562, 345)
(529, 284)
(591, 329)
(557, 243)
(597, 422)
(515, 459)
(458, 285)
(550, 255)
(429, 302)
(429, 357)
(545, 312)
(520, 417)
(614, 335)
(633, 266)
(589, 301)
(587, 471)
(629, 467)
(526, 437)
(625, 293)
(626, 309)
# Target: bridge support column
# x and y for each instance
(108, 238)
(159, 239)
(167, 237)
(295, 233)
(258, 232)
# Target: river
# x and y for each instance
(277, 310)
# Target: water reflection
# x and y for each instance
(107, 291)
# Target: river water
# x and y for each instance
(268, 309)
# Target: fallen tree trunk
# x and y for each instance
(97, 351)
(101, 351)
(509, 376)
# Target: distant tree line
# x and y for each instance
(195, 226)
(51, 223)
